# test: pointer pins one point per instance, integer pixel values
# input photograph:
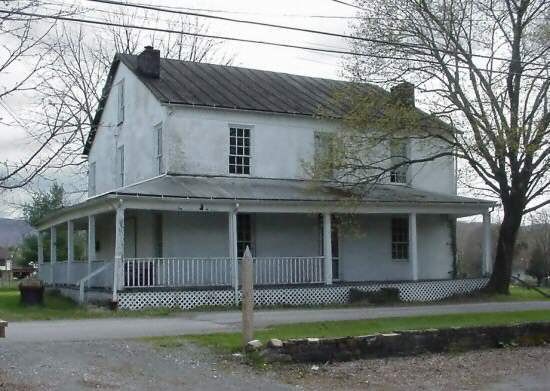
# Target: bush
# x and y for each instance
(381, 296)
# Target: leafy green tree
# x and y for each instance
(43, 203)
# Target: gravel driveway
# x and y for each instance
(122, 365)
(137, 365)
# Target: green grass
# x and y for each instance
(59, 307)
(230, 342)
(518, 293)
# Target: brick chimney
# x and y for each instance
(149, 62)
(403, 93)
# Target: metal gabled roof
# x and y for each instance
(222, 86)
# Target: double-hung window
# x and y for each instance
(91, 179)
(399, 149)
(158, 149)
(120, 102)
(239, 150)
(120, 165)
(400, 238)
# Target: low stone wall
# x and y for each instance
(406, 343)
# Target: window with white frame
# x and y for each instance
(120, 102)
(399, 150)
(244, 234)
(91, 179)
(400, 238)
(239, 150)
(158, 149)
(120, 164)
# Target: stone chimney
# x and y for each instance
(149, 62)
(403, 93)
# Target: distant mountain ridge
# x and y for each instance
(13, 231)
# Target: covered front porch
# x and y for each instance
(141, 245)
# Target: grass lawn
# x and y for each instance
(519, 293)
(59, 307)
(230, 342)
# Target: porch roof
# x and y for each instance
(266, 189)
(224, 190)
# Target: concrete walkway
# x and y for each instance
(210, 322)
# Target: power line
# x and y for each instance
(293, 28)
(348, 4)
(253, 41)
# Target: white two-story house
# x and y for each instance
(190, 163)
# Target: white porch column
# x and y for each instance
(486, 266)
(119, 250)
(40, 248)
(232, 229)
(91, 242)
(327, 247)
(53, 252)
(70, 249)
(413, 247)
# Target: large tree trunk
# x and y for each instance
(502, 269)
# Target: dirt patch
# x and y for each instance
(7, 385)
(499, 369)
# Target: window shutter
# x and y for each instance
(91, 180)
(120, 102)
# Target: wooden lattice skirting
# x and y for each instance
(421, 291)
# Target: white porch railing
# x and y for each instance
(56, 273)
(60, 272)
(176, 272)
(290, 270)
(201, 272)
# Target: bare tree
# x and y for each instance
(23, 59)
(539, 230)
(482, 66)
(77, 61)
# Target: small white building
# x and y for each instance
(190, 163)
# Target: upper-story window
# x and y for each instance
(399, 150)
(120, 165)
(158, 149)
(91, 179)
(120, 102)
(400, 238)
(239, 150)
